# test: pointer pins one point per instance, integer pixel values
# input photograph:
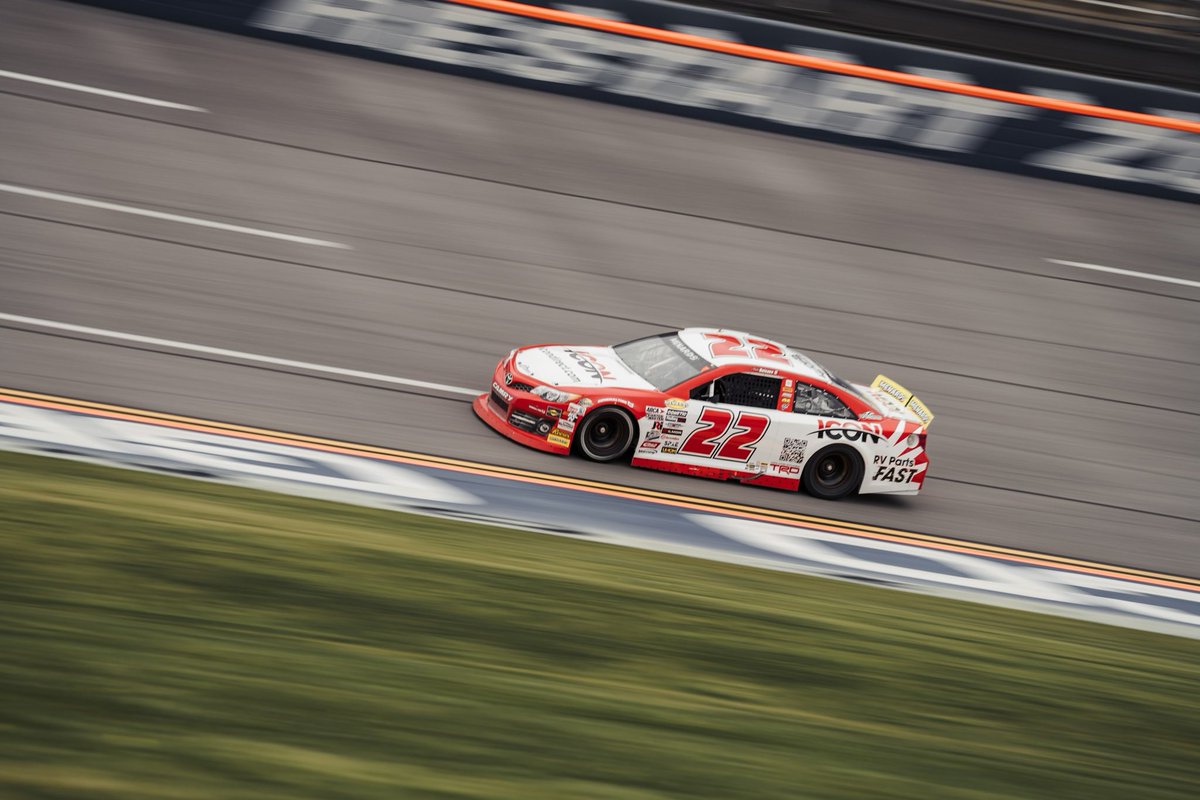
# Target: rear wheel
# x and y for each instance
(833, 473)
(606, 434)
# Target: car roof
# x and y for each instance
(701, 341)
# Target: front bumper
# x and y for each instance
(488, 413)
(523, 416)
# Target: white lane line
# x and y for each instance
(79, 87)
(1138, 10)
(218, 351)
(145, 212)
(1131, 273)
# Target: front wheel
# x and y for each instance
(606, 434)
(833, 473)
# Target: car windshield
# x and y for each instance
(663, 360)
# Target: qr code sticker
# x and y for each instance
(793, 450)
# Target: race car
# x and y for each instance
(717, 404)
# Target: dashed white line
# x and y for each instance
(145, 212)
(79, 87)
(1131, 273)
(238, 354)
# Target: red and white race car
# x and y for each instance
(714, 403)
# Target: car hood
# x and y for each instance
(577, 366)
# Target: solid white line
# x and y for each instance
(145, 212)
(1129, 272)
(1125, 7)
(79, 87)
(218, 351)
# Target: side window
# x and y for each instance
(819, 403)
(740, 389)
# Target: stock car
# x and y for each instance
(713, 403)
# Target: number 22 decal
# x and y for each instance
(725, 344)
(712, 441)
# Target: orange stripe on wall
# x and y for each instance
(827, 65)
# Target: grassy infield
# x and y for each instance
(163, 638)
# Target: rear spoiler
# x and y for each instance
(902, 397)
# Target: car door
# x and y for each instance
(721, 427)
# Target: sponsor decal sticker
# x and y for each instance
(688, 354)
(787, 396)
(556, 437)
(891, 388)
(849, 430)
(592, 365)
(674, 402)
(571, 375)
(904, 397)
(894, 474)
(793, 450)
(923, 413)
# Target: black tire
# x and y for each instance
(606, 434)
(833, 473)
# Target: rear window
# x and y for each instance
(849, 388)
(663, 360)
(817, 402)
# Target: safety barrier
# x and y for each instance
(641, 518)
(774, 76)
(1150, 41)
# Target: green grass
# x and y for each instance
(163, 638)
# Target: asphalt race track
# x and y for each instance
(474, 217)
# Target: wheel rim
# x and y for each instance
(606, 436)
(832, 470)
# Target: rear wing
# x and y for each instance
(902, 397)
